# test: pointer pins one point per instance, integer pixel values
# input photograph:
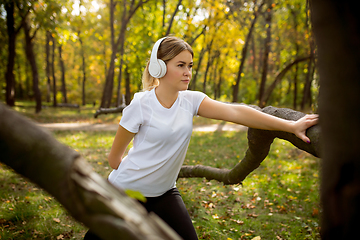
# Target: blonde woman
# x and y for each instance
(159, 119)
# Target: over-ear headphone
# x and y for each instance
(157, 67)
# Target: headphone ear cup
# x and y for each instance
(154, 69)
(157, 69)
(163, 68)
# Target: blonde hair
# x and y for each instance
(169, 48)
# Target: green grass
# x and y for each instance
(279, 200)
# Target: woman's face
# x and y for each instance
(178, 74)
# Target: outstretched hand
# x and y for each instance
(301, 125)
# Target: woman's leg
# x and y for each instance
(171, 208)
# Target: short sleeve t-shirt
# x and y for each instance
(160, 143)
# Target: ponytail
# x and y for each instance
(148, 81)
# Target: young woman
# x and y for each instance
(160, 121)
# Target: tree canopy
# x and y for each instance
(80, 51)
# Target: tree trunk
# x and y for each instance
(337, 32)
(172, 18)
(209, 63)
(62, 172)
(266, 57)
(244, 52)
(29, 49)
(83, 70)
(192, 85)
(109, 83)
(295, 86)
(124, 23)
(127, 87)
(9, 75)
(48, 67)
(53, 71)
(164, 14)
(306, 100)
(63, 83)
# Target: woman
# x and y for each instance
(160, 121)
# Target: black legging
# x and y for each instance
(171, 208)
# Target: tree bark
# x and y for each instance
(9, 75)
(209, 63)
(259, 142)
(61, 171)
(109, 81)
(29, 49)
(48, 67)
(265, 57)
(306, 100)
(62, 67)
(127, 86)
(53, 71)
(192, 85)
(83, 88)
(337, 32)
(118, 109)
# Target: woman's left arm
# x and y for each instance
(250, 117)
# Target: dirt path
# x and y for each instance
(114, 127)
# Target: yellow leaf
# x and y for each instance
(56, 220)
(256, 238)
(135, 194)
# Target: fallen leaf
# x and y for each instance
(56, 220)
(315, 212)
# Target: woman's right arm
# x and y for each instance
(122, 139)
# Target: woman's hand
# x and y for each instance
(301, 125)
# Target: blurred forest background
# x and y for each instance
(77, 52)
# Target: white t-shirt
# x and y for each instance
(160, 143)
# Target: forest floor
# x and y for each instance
(279, 200)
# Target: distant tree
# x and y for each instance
(128, 10)
(12, 32)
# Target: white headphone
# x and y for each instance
(157, 67)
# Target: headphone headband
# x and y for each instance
(157, 67)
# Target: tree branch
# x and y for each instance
(100, 111)
(259, 142)
(281, 74)
(108, 211)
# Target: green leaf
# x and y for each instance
(135, 194)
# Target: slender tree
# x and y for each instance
(118, 46)
(48, 67)
(62, 68)
(244, 52)
(29, 49)
(12, 31)
(264, 73)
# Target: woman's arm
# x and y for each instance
(122, 139)
(244, 115)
